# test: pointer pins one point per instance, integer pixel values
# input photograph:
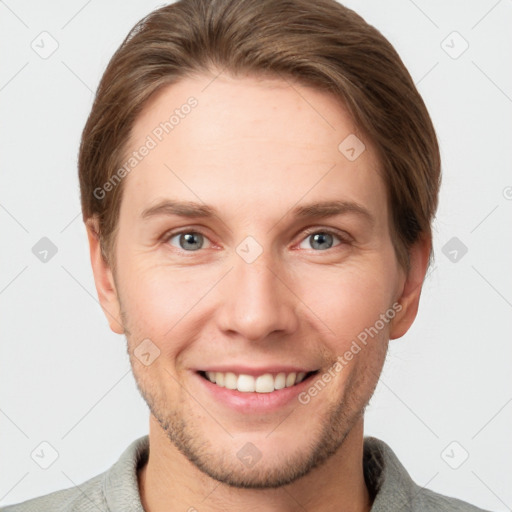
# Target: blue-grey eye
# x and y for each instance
(189, 240)
(321, 240)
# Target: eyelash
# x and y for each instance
(344, 238)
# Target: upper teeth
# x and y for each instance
(265, 383)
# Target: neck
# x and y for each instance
(169, 481)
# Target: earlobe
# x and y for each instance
(409, 297)
(103, 279)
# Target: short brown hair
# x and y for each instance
(317, 43)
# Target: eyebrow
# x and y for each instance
(316, 210)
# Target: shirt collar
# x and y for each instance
(389, 484)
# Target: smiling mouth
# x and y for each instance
(265, 383)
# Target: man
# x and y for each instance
(258, 183)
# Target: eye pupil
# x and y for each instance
(321, 238)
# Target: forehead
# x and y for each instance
(247, 142)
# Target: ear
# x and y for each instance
(409, 297)
(103, 278)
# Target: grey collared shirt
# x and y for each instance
(116, 490)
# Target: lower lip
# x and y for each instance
(254, 402)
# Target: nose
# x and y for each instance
(256, 300)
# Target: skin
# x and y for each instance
(254, 148)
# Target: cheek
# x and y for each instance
(157, 300)
(351, 303)
(347, 299)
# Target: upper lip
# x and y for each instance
(254, 371)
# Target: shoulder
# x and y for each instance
(84, 498)
(428, 501)
(113, 490)
(392, 488)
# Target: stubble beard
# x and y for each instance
(223, 465)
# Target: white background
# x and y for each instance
(66, 379)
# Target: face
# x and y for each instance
(280, 260)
